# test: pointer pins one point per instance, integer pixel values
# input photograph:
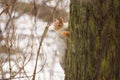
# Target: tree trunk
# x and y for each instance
(94, 45)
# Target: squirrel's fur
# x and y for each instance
(60, 29)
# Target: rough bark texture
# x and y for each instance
(94, 46)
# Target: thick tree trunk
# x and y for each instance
(94, 44)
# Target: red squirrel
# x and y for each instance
(59, 28)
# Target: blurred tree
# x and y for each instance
(1, 37)
(94, 45)
(44, 11)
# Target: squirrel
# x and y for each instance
(62, 35)
(60, 29)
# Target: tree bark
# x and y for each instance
(94, 45)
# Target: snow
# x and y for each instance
(25, 27)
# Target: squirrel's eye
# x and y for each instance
(59, 25)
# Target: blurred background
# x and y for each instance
(22, 24)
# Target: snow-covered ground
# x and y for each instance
(28, 35)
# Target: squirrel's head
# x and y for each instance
(58, 23)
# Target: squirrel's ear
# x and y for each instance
(61, 18)
(56, 20)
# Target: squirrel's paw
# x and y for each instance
(66, 33)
